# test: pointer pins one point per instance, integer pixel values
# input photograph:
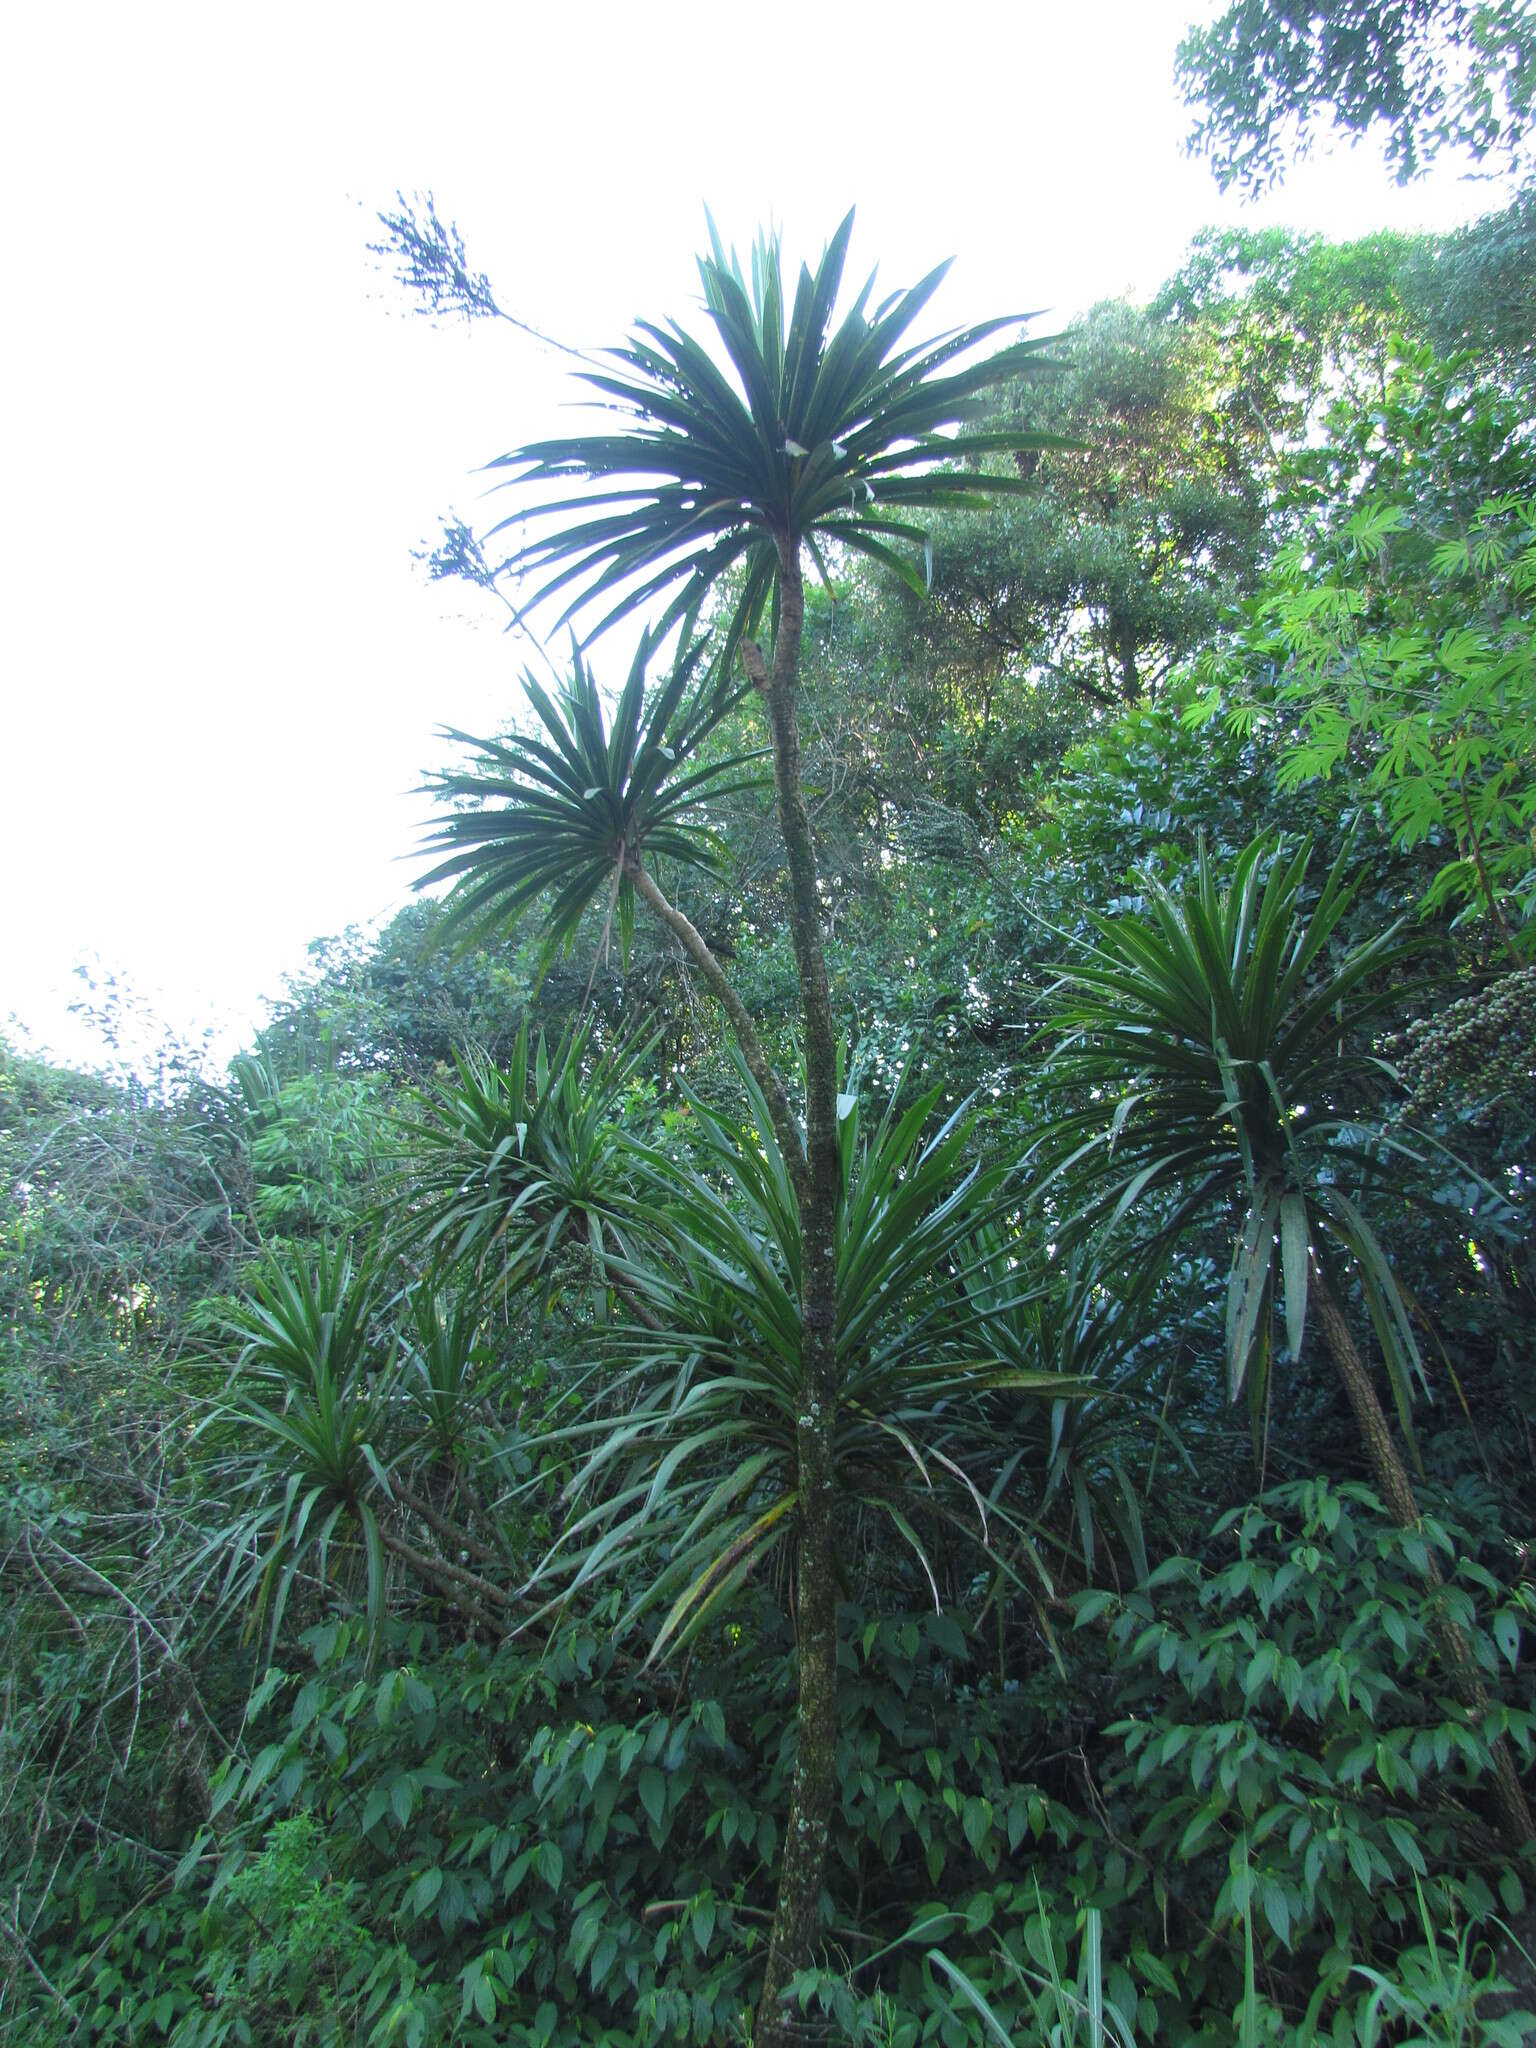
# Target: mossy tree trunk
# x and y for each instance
(1396, 1490)
(797, 1915)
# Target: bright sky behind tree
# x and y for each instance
(220, 675)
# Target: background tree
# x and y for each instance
(1431, 73)
(1140, 525)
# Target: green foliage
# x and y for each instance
(1444, 1992)
(1080, 1448)
(518, 1857)
(302, 1978)
(447, 1372)
(1227, 1055)
(1386, 647)
(394, 1004)
(566, 815)
(1427, 670)
(1135, 532)
(1477, 289)
(309, 1396)
(314, 1142)
(692, 1460)
(120, 1208)
(820, 434)
(505, 1167)
(1293, 1748)
(119, 1217)
(476, 1486)
(1065, 2012)
(1432, 73)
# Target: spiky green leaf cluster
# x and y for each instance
(811, 429)
(445, 1364)
(693, 1457)
(503, 1166)
(309, 1393)
(1224, 1043)
(566, 813)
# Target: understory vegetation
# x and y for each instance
(877, 1385)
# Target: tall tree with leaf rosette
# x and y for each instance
(794, 432)
(1222, 1045)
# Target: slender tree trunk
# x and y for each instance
(454, 1534)
(758, 1063)
(1123, 640)
(1396, 1490)
(797, 1916)
(1490, 897)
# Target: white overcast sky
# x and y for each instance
(220, 674)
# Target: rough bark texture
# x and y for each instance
(1396, 1489)
(796, 1918)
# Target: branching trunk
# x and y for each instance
(468, 1591)
(797, 1915)
(454, 1534)
(758, 1063)
(1396, 1489)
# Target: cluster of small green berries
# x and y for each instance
(1476, 1052)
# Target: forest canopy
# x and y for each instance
(870, 1380)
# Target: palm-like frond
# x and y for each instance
(788, 431)
(696, 1460)
(309, 1405)
(501, 1167)
(444, 1377)
(1224, 1044)
(562, 814)
(1075, 1454)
